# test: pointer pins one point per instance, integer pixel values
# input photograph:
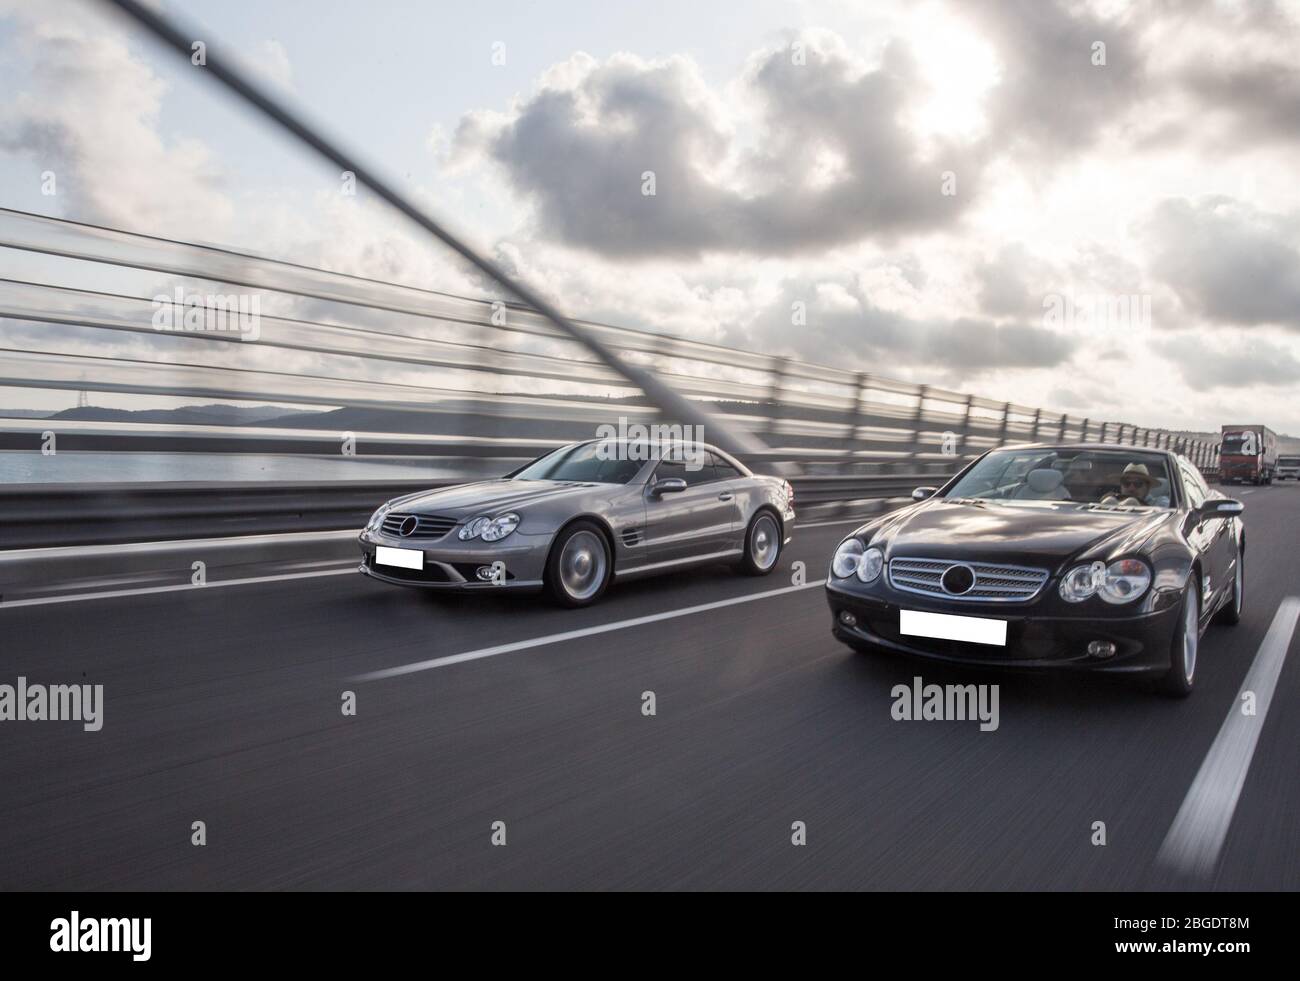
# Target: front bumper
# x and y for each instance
(452, 565)
(1232, 475)
(1039, 634)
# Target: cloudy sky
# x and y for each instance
(1089, 206)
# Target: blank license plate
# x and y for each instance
(403, 558)
(945, 626)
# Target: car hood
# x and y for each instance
(1036, 533)
(489, 496)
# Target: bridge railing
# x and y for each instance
(367, 370)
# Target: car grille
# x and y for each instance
(993, 583)
(427, 526)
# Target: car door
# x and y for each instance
(1222, 533)
(690, 523)
(1207, 537)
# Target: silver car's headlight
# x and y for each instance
(499, 527)
(1125, 581)
(869, 566)
(847, 557)
(473, 528)
(377, 519)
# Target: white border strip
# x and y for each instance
(1196, 837)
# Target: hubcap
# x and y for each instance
(765, 543)
(1190, 639)
(582, 565)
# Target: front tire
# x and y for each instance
(1184, 649)
(579, 565)
(762, 544)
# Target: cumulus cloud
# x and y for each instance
(1052, 96)
(830, 161)
(88, 111)
(1241, 366)
(840, 320)
(1227, 261)
(1237, 67)
(1014, 282)
(269, 59)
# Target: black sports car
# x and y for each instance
(1088, 556)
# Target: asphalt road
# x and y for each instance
(224, 706)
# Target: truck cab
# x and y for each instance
(1247, 454)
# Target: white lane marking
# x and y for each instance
(1196, 837)
(839, 521)
(146, 590)
(1247, 490)
(523, 645)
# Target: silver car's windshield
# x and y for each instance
(584, 462)
(1110, 477)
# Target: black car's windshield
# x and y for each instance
(1107, 477)
(585, 462)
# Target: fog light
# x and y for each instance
(848, 619)
(484, 572)
(1101, 648)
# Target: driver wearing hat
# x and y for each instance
(1135, 485)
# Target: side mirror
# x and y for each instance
(669, 485)
(1224, 508)
(921, 493)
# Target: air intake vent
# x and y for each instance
(631, 537)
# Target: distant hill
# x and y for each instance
(185, 415)
(25, 413)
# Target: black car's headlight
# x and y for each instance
(852, 558)
(847, 557)
(1126, 580)
(489, 529)
(1123, 581)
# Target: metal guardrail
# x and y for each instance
(411, 374)
(58, 515)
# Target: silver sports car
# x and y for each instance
(576, 518)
